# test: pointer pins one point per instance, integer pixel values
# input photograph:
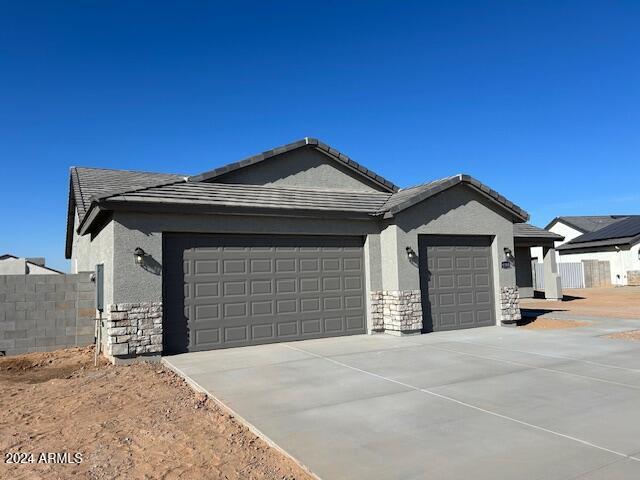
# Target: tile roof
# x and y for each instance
(256, 196)
(94, 182)
(410, 196)
(587, 223)
(625, 231)
(293, 198)
(526, 230)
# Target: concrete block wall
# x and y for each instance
(46, 312)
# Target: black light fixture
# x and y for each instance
(508, 253)
(138, 255)
(411, 254)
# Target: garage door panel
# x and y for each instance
(288, 329)
(233, 290)
(456, 282)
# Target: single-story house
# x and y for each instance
(297, 242)
(528, 238)
(13, 265)
(617, 243)
(570, 227)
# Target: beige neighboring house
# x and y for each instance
(12, 265)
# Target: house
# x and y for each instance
(13, 265)
(617, 243)
(297, 242)
(570, 227)
(621, 257)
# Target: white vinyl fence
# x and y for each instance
(571, 274)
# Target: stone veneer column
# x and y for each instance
(509, 305)
(133, 329)
(396, 311)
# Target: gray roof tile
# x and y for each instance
(526, 230)
(587, 223)
(95, 182)
(257, 196)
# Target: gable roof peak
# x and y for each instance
(305, 142)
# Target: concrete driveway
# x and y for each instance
(488, 403)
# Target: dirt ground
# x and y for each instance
(617, 302)
(552, 324)
(139, 421)
(630, 336)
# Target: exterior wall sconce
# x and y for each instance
(508, 254)
(138, 255)
(411, 254)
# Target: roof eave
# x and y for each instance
(98, 208)
(610, 242)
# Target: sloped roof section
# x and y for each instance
(88, 183)
(587, 223)
(304, 143)
(255, 197)
(174, 190)
(411, 196)
(528, 231)
(625, 231)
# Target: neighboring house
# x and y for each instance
(617, 243)
(575, 229)
(295, 243)
(570, 227)
(12, 265)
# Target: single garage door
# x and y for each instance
(234, 290)
(456, 282)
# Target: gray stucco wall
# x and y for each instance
(457, 211)
(136, 284)
(92, 249)
(303, 168)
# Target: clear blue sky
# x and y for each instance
(540, 100)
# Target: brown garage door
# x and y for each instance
(234, 290)
(456, 282)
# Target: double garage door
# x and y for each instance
(235, 290)
(456, 282)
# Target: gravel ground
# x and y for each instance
(140, 421)
(631, 336)
(553, 324)
(616, 302)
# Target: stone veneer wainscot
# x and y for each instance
(509, 305)
(396, 311)
(133, 329)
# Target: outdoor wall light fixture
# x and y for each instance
(508, 253)
(138, 255)
(411, 254)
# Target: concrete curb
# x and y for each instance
(198, 388)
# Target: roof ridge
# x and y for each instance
(147, 172)
(424, 184)
(288, 187)
(306, 141)
(445, 183)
